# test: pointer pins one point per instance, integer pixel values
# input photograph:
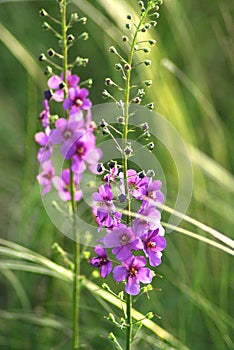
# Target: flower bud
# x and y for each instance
(128, 25)
(43, 13)
(112, 49)
(45, 26)
(150, 146)
(42, 57)
(48, 70)
(124, 38)
(100, 168)
(147, 135)
(152, 42)
(150, 105)
(105, 287)
(47, 95)
(127, 66)
(149, 315)
(147, 26)
(146, 50)
(112, 337)
(122, 198)
(143, 30)
(70, 38)
(105, 94)
(108, 82)
(141, 92)
(118, 66)
(51, 52)
(142, 174)
(111, 317)
(141, 4)
(137, 100)
(112, 164)
(147, 62)
(150, 173)
(74, 17)
(128, 151)
(84, 36)
(103, 123)
(83, 20)
(148, 82)
(153, 23)
(62, 85)
(129, 16)
(120, 120)
(144, 126)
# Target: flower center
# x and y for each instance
(132, 272)
(48, 176)
(80, 150)
(67, 134)
(124, 239)
(152, 194)
(79, 102)
(103, 261)
(151, 245)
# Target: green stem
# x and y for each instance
(125, 166)
(76, 287)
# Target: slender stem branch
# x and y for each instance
(125, 164)
(76, 286)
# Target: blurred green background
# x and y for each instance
(192, 70)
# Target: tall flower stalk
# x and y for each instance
(74, 131)
(124, 234)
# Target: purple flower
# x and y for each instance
(46, 150)
(45, 114)
(153, 245)
(56, 83)
(77, 100)
(137, 186)
(45, 178)
(63, 186)
(102, 261)
(123, 239)
(150, 220)
(153, 192)
(66, 132)
(104, 209)
(134, 272)
(84, 151)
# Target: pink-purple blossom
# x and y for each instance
(45, 178)
(45, 152)
(45, 114)
(63, 185)
(123, 239)
(77, 100)
(149, 220)
(101, 261)
(57, 83)
(153, 245)
(133, 271)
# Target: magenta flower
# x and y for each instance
(66, 132)
(137, 186)
(134, 272)
(150, 220)
(45, 114)
(102, 261)
(45, 178)
(123, 239)
(57, 83)
(83, 151)
(153, 192)
(45, 151)
(153, 245)
(104, 209)
(63, 183)
(77, 100)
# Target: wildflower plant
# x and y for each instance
(72, 130)
(135, 238)
(96, 192)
